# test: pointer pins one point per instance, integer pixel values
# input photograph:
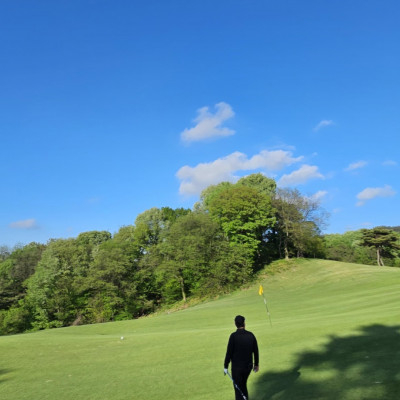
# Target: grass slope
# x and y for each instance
(335, 335)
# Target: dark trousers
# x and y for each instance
(240, 375)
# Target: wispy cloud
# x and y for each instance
(208, 125)
(356, 165)
(389, 163)
(195, 179)
(302, 175)
(356, 227)
(319, 195)
(322, 124)
(371, 193)
(25, 224)
(366, 224)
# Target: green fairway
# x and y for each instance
(335, 335)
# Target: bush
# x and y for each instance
(14, 320)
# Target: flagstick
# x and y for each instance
(269, 315)
(265, 302)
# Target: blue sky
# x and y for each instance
(109, 108)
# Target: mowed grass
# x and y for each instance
(335, 335)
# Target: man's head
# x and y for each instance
(239, 321)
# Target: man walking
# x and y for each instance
(242, 346)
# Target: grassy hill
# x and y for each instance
(335, 335)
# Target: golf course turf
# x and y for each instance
(335, 335)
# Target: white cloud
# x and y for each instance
(389, 163)
(195, 179)
(366, 224)
(25, 224)
(322, 124)
(208, 124)
(302, 175)
(371, 193)
(356, 165)
(273, 160)
(319, 195)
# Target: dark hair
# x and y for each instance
(239, 321)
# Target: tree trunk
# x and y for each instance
(280, 246)
(379, 258)
(286, 252)
(182, 289)
(286, 246)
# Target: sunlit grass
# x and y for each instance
(334, 336)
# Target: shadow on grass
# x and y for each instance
(3, 372)
(364, 366)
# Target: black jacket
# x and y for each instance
(241, 347)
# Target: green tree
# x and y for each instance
(209, 193)
(54, 292)
(14, 320)
(148, 227)
(245, 216)
(347, 247)
(50, 294)
(92, 238)
(384, 241)
(197, 259)
(153, 223)
(299, 220)
(147, 259)
(125, 234)
(259, 182)
(151, 229)
(288, 222)
(110, 286)
(4, 252)
(88, 244)
(18, 267)
(120, 283)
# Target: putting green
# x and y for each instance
(335, 335)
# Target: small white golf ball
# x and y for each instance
(122, 338)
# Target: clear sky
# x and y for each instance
(109, 108)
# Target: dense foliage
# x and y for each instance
(169, 255)
(363, 247)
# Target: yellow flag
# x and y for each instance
(261, 290)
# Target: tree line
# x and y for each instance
(378, 246)
(168, 256)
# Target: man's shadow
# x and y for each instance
(362, 366)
